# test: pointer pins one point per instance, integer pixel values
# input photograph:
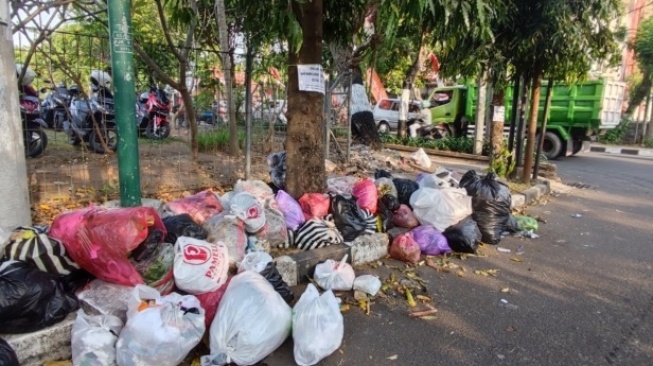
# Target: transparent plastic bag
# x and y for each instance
(336, 276)
(318, 326)
(94, 339)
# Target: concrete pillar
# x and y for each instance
(14, 192)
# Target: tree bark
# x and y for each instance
(305, 138)
(532, 126)
(221, 18)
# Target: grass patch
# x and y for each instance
(165, 141)
(518, 186)
(648, 143)
(218, 140)
(456, 144)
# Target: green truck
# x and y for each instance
(578, 112)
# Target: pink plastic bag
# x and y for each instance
(404, 248)
(314, 205)
(100, 240)
(366, 195)
(430, 240)
(200, 206)
(292, 211)
(404, 217)
(210, 302)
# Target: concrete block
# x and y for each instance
(369, 248)
(287, 268)
(518, 200)
(307, 260)
(103, 298)
(49, 344)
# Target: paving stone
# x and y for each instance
(306, 260)
(369, 248)
(287, 267)
(49, 344)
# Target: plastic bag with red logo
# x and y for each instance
(404, 248)
(100, 240)
(199, 206)
(200, 267)
(366, 195)
(248, 209)
(231, 231)
(314, 205)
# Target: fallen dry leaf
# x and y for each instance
(505, 290)
(516, 259)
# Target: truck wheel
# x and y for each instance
(552, 147)
(383, 127)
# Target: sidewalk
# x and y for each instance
(622, 150)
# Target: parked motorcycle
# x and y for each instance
(417, 128)
(93, 120)
(34, 138)
(152, 113)
(54, 108)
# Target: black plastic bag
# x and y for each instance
(148, 247)
(391, 202)
(271, 273)
(76, 280)
(364, 130)
(491, 201)
(380, 173)
(464, 236)
(31, 299)
(405, 189)
(385, 214)
(7, 355)
(182, 225)
(277, 167)
(349, 219)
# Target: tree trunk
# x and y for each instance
(305, 138)
(221, 18)
(498, 101)
(532, 126)
(191, 119)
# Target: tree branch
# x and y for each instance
(166, 29)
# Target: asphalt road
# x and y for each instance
(581, 294)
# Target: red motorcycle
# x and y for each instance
(153, 109)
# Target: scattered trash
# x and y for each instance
(249, 303)
(392, 358)
(421, 314)
(520, 250)
(368, 284)
(421, 158)
(410, 301)
(330, 166)
(336, 276)
(503, 250)
(94, 339)
(506, 304)
(576, 216)
(430, 240)
(464, 236)
(277, 167)
(487, 272)
(318, 326)
(441, 208)
(505, 290)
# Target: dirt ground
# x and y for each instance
(67, 177)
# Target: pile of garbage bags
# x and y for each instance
(202, 263)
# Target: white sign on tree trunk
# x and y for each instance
(499, 114)
(311, 78)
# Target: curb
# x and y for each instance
(622, 150)
(528, 196)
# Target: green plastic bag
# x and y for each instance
(526, 223)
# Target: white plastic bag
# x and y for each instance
(94, 339)
(160, 331)
(318, 326)
(368, 284)
(442, 178)
(421, 158)
(336, 276)
(252, 321)
(200, 266)
(255, 261)
(342, 185)
(441, 208)
(225, 199)
(247, 208)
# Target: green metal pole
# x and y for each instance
(120, 34)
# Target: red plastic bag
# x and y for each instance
(366, 195)
(314, 205)
(100, 240)
(404, 248)
(404, 217)
(210, 302)
(200, 206)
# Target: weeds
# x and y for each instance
(217, 140)
(617, 134)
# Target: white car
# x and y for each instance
(386, 113)
(271, 110)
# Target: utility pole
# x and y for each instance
(481, 99)
(403, 109)
(120, 36)
(14, 191)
